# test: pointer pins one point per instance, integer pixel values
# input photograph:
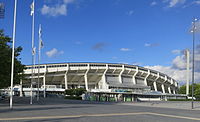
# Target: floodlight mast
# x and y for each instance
(187, 55)
(193, 56)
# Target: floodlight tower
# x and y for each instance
(187, 55)
(193, 53)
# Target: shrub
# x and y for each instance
(75, 92)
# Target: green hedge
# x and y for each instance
(73, 97)
(102, 98)
(75, 92)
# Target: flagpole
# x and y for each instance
(39, 48)
(13, 54)
(33, 53)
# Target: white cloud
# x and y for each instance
(137, 63)
(176, 52)
(130, 12)
(197, 2)
(125, 49)
(54, 52)
(147, 45)
(68, 1)
(178, 68)
(173, 3)
(153, 3)
(57, 9)
(179, 62)
(177, 74)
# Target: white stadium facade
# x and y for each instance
(100, 78)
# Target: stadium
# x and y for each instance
(107, 79)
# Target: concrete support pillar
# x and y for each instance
(66, 85)
(99, 86)
(104, 84)
(86, 78)
(155, 86)
(44, 84)
(21, 88)
(169, 90)
(86, 82)
(155, 82)
(115, 97)
(176, 84)
(174, 91)
(165, 79)
(172, 82)
(133, 78)
(163, 88)
(79, 82)
(132, 98)
(120, 74)
(145, 79)
(120, 78)
(104, 81)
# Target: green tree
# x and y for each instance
(69, 92)
(6, 59)
(79, 91)
(182, 90)
(75, 92)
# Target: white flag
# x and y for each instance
(32, 8)
(40, 37)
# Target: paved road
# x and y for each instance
(167, 104)
(56, 109)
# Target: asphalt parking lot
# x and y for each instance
(58, 109)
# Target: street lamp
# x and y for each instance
(193, 53)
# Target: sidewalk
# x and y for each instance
(167, 104)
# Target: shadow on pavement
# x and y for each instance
(40, 108)
(23, 104)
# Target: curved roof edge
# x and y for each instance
(103, 63)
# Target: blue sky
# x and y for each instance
(144, 32)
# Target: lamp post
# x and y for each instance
(193, 53)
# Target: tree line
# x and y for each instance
(6, 60)
(182, 90)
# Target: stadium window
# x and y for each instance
(143, 69)
(153, 72)
(131, 67)
(114, 65)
